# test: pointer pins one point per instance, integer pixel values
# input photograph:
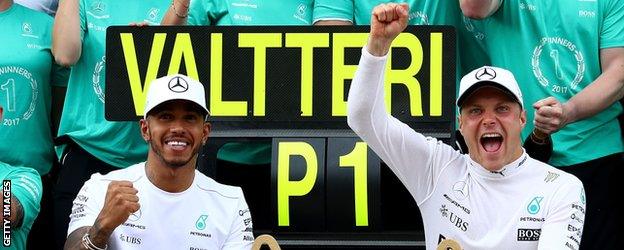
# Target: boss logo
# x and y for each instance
(525, 234)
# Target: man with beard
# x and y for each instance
(163, 203)
(87, 142)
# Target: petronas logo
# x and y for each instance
(200, 224)
(534, 205)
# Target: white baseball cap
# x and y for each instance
(489, 76)
(175, 87)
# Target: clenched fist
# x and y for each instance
(550, 115)
(387, 22)
(121, 201)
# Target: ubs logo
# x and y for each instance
(454, 219)
(178, 85)
(485, 73)
(458, 222)
(130, 239)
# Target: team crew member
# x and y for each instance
(497, 197)
(28, 77)
(163, 203)
(26, 192)
(25, 196)
(90, 143)
(27, 73)
(573, 76)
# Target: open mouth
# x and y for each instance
(491, 142)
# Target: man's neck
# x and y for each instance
(5, 4)
(516, 155)
(170, 179)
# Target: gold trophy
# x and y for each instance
(449, 244)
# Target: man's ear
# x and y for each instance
(523, 118)
(207, 128)
(459, 121)
(144, 129)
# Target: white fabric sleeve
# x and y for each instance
(564, 223)
(415, 159)
(87, 204)
(241, 231)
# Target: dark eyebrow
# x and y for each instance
(160, 112)
(473, 106)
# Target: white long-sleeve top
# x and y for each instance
(527, 205)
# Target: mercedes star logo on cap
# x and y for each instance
(485, 74)
(178, 84)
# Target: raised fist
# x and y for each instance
(387, 22)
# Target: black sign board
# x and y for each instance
(282, 77)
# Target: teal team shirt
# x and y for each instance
(249, 12)
(553, 47)
(26, 187)
(117, 143)
(359, 12)
(27, 71)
